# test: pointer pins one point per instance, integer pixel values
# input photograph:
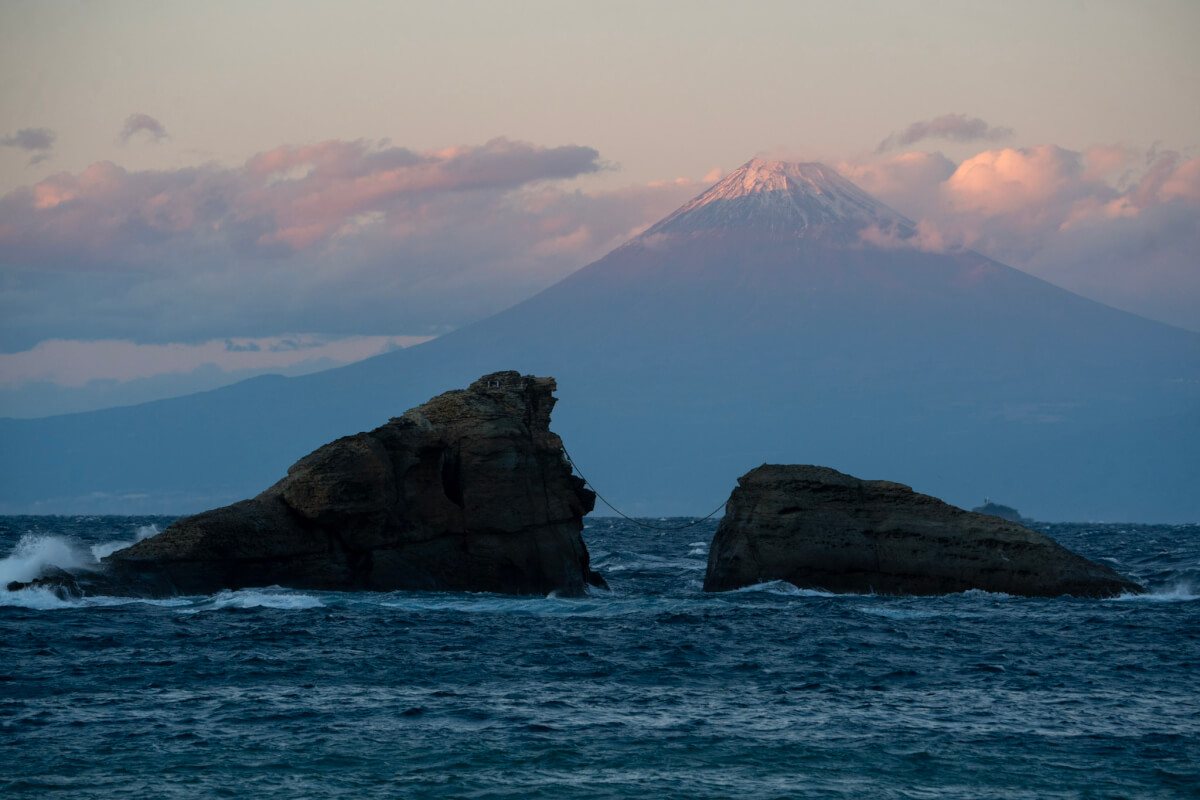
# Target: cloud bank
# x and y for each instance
(1112, 223)
(951, 127)
(335, 237)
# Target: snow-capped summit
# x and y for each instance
(808, 199)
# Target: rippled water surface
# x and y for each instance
(654, 690)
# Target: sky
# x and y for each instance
(195, 193)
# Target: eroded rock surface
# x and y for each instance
(818, 528)
(469, 491)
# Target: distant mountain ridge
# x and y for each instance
(755, 324)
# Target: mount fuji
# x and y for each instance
(785, 316)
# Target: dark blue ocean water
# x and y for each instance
(654, 690)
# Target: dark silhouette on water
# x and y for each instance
(467, 492)
(819, 529)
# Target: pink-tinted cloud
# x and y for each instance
(1014, 181)
(336, 237)
(1108, 162)
(951, 127)
(915, 177)
(1182, 184)
(141, 123)
(1117, 225)
(279, 202)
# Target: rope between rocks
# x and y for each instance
(600, 497)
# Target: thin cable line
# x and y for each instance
(600, 497)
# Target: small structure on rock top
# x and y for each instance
(469, 491)
(818, 528)
(1002, 511)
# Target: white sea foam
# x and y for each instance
(781, 588)
(106, 549)
(1180, 593)
(36, 551)
(42, 599)
(641, 562)
(36, 598)
(983, 594)
(273, 597)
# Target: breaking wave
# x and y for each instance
(1179, 593)
(37, 551)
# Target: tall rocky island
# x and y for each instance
(469, 491)
(818, 528)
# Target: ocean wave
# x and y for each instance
(591, 605)
(270, 597)
(35, 598)
(598, 604)
(782, 588)
(983, 594)
(900, 613)
(642, 562)
(1180, 593)
(38, 598)
(101, 551)
(37, 551)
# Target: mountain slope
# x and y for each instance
(753, 325)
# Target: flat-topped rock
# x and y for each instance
(469, 491)
(818, 528)
(1002, 511)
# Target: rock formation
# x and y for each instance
(467, 492)
(62, 583)
(818, 528)
(1002, 511)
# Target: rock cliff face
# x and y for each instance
(816, 527)
(469, 491)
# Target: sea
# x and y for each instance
(651, 690)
